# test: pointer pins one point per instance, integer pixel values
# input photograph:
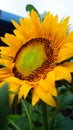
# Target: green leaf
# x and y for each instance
(4, 107)
(67, 101)
(62, 123)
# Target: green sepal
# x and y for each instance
(30, 7)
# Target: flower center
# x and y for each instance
(33, 59)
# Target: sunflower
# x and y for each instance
(33, 55)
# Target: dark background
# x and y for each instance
(5, 23)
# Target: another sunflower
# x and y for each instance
(31, 57)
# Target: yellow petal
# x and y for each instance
(62, 28)
(14, 80)
(51, 88)
(46, 97)
(48, 84)
(24, 90)
(20, 36)
(4, 73)
(7, 63)
(27, 23)
(51, 77)
(18, 27)
(7, 51)
(13, 83)
(50, 81)
(35, 97)
(4, 70)
(12, 41)
(36, 23)
(69, 66)
(11, 99)
(53, 91)
(49, 24)
(13, 87)
(43, 85)
(69, 37)
(65, 52)
(4, 76)
(62, 73)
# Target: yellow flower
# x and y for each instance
(30, 58)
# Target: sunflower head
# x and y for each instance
(33, 59)
(33, 55)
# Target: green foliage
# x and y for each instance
(4, 107)
(59, 118)
(18, 121)
(63, 123)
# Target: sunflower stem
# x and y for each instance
(44, 115)
(28, 114)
